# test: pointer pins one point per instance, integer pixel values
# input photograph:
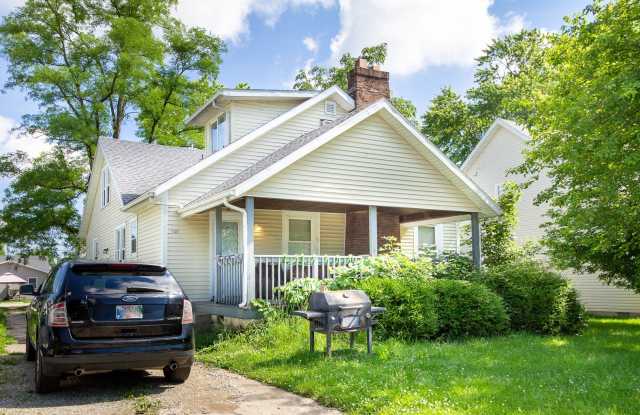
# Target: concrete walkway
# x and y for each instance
(207, 391)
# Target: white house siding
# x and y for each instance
(149, 235)
(370, 164)
(407, 243)
(103, 221)
(249, 115)
(504, 152)
(450, 237)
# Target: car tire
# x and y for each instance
(177, 376)
(44, 383)
(30, 352)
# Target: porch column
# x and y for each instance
(218, 250)
(373, 230)
(249, 251)
(475, 240)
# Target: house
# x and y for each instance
(500, 149)
(290, 184)
(14, 273)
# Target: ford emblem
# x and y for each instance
(129, 298)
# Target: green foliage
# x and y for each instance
(243, 85)
(266, 310)
(507, 79)
(586, 140)
(467, 309)
(537, 299)
(410, 307)
(452, 266)
(295, 294)
(406, 108)
(498, 245)
(39, 216)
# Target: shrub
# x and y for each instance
(537, 299)
(468, 309)
(454, 266)
(410, 307)
(295, 294)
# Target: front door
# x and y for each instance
(230, 265)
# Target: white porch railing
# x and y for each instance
(272, 271)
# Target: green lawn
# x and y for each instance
(596, 373)
(4, 336)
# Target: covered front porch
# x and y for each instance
(258, 244)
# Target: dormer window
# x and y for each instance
(330, 107)
(220, 133)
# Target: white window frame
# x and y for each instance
(227, 141)
(95, 249)
(314, 217)
(330, 107)
(105, 187)
(416, 238)
(133, 224)
(120, 245)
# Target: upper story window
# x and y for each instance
(105, 187)
(219, 133)
(330, 107)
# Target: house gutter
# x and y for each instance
(246, 260)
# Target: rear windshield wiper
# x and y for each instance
(143, 290)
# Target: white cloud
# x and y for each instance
(11, 140)
(229, 18)
(419, 33)
(311, 44)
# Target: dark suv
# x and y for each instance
(108, 316)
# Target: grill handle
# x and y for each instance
(349, 307)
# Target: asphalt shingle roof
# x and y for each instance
(138, 167)
(272, 158)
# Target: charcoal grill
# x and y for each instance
(346, 311)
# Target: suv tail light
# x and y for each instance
(57, 315)
(187, 312)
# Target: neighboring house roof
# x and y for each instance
(517, 130)
(293, 151)
(199, 117)
(137, 167)
(335, 92)
(11, 278)
(25, 266)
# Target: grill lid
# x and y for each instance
(334, 300)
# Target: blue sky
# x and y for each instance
(432, 43)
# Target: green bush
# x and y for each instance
(295, 294)
(537, 299)
(410, 307)
(467, 309)
(452, 266)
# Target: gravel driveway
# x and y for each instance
(207, 391)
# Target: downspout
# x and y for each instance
(246, 260)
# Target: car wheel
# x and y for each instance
(178, 376)
(30, 352)
(44, 383)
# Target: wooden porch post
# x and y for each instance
(218, 251)
(373, 230)
(475, 240)
(249, 207)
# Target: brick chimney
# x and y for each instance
(367, 83)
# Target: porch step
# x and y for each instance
(207, 307)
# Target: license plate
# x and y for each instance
(129, 312)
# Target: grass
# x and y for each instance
(597, 372)
(143, 405)
(5, 339)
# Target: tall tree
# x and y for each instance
(507, 76)
(320, 77)
(586, 138)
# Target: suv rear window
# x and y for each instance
(90, 282)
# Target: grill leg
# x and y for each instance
(328, 351)
(369, 339)
(352, 340)
(312, 338)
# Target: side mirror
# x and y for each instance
(26, 289)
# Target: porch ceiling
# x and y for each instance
(405, 214)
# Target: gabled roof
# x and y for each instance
(11, 278)
(509, 125)
(341, 97)
(305, 144)
(200, 116)
(137, 167)
(24, 265)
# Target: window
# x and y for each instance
(133, 236)
(219, 133)
(105, 187)
(95, 250)
(426, 238)
(33, 282)
(330, 107)
(230, 238)
(120, 243)
(301, 233)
